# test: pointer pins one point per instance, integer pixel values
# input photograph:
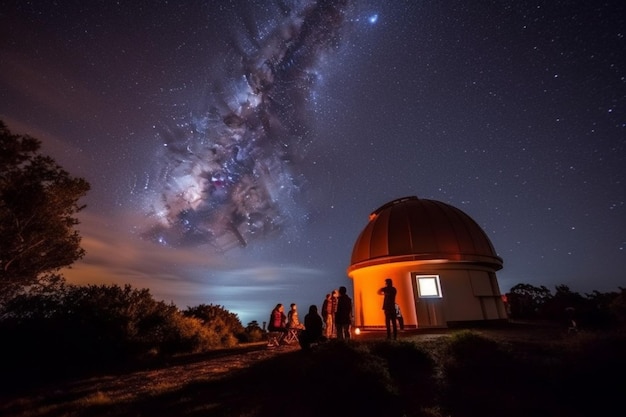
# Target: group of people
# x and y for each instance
(335, 320)
(279, 322)
(336, 317)
(337, 314)
(307, 333)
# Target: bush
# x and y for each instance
(476, 371)
(334, 379)
(252, 333)
(78, 330)
(221, 323)
(413, 370)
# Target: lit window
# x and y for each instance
(428, 286)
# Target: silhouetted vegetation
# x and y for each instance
(566, 376)
(38, 202)
(595, 310)
(68, 330)
(533, 371)
(58, 331)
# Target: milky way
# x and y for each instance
(228, 169)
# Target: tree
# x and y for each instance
(72, 329)
(38, 201)
(526, 301)
(253, 332)
(564, 305)
(224, 324)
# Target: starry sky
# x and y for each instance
(236, 148)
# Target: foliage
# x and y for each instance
(617, 306)
(336, 378)
(526, 301)
(412, 368)
(38, 202)
(592, 311)
(561, 375)
(93, 328)
(253, 325)
(219, 321)
(561, 302)
(253, 332)
(537, 371)
(603, 310)
(87, 328)
(474, 368)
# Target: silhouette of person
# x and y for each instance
(313, 328)
(389, 307)
(343, 316)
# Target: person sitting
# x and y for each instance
(294, 327)
(278, 319)
(313, 329)
(293, 322)
(399, 317)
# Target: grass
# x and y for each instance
(512, 371)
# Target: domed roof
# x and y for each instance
(413, 229)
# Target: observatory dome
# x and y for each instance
(414, 229)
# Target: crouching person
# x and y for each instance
(313, 327)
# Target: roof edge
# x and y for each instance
(494, 262)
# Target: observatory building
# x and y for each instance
(441, 262)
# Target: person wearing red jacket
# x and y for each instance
(278, 320)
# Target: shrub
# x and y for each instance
(220, 323)
(252, 333)
(334, 379)
(476, 371)
(76, 330)
(413, 370)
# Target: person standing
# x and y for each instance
(389, 307)
(343, 316)
(327, 313)
(334, 296)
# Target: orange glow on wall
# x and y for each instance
(368, 303)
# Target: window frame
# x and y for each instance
(435, 285)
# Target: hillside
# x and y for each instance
(515, 370)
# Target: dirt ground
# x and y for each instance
(178, 371)
(215, 365)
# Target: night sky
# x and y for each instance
(236, 148)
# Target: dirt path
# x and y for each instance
(127, 387)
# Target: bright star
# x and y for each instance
(373, 18)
